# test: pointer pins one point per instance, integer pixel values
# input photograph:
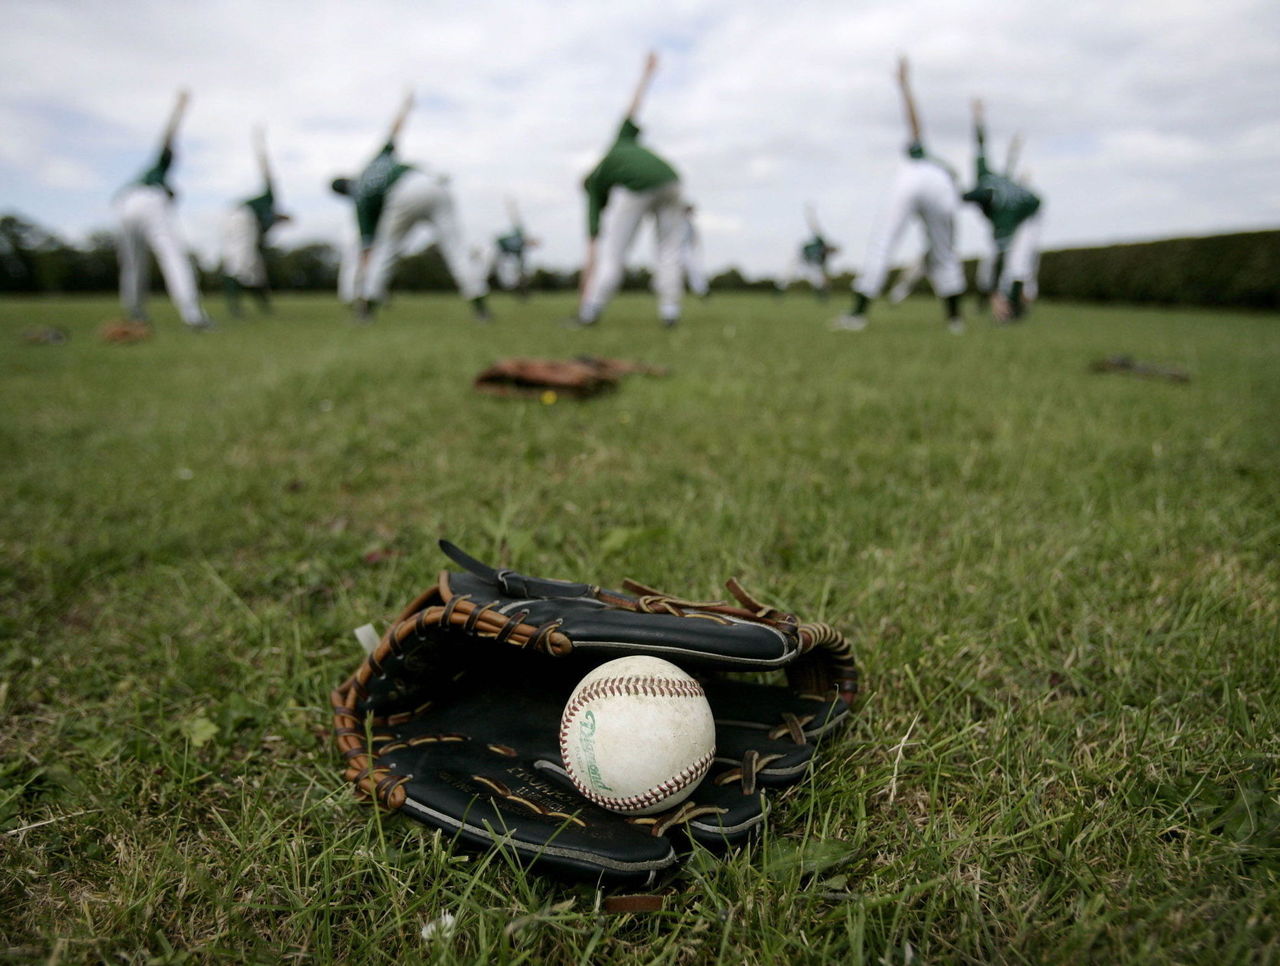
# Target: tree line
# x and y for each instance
(1240, 269)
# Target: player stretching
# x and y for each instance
(630, 183)
(925, 188)
(811, 264)
(390, 199)
(145, 211)
(1011, 209)
(508, 258)
(984, 282)
(244, 232)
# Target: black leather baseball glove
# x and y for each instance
(454, 717)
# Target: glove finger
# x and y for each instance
(781, 760)
(468, 781)
(776, 711)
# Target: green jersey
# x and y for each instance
(512, 243)
(370, 190)
(1005, 203)
(816, 250)
(155, 175)
(627, 164)
(263, 207)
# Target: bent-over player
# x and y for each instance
(810, 264)
(508, 257)
(390, 198)
(630, 184)
(923, 188)
(144, 208)
(244, 232)
(1011, 209)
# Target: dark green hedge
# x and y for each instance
(1240, 270)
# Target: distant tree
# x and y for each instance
(21, 244)
(91, 267)
(309, 268)
(730, 280)
(637, 280)
(543, 280)
(424, 272)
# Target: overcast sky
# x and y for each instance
(1143, 118)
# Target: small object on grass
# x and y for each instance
(1145, 370)
(549, 379)
(46, 335)
(441, 927)
(124, 331)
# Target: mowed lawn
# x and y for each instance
(1063, 585)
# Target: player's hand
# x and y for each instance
(977, 109)
(651, 62)
(904, 69)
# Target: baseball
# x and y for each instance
(637, 735)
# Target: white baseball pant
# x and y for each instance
(348, 271)
(984, 277)
(1022, 260)
(619, 222)
(695, 274)
(146, 220)
(924, 190)
(241, 256)
(909, 279)
(419, 197)
(508, 269)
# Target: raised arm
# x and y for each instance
(175, 118)
(980, 135)
(908, 101)
(811, 217)
(514, 213)
(646, 75)
(402, 115)
(260, 149)
(1015, 152)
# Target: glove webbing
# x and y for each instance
(459, 612)
(831, 667)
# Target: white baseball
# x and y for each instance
(637, 735)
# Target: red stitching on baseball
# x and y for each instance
(648, 686)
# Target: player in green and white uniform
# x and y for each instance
(244, 231)
(811, 263)
(984, 273)
(1011, 208)
(144, 208)
(508, 255)
(391, 198)
(924, 188)
(630, 184)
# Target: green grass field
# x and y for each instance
(1063, 585)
